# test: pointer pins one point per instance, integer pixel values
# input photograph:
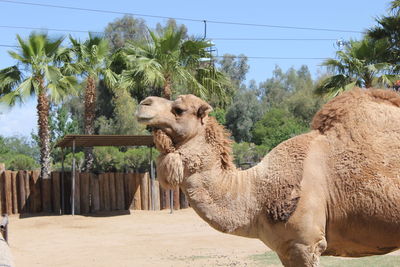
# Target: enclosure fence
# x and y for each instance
(26, 192)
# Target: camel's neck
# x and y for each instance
(223, 197)
(226, 200)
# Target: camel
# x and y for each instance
(332, 191)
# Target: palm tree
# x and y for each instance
(166, 59)
(358, 64)
(388, 29)
(37, 73)
(90, 60)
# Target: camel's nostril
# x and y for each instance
(146, 102)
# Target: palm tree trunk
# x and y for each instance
(90, 112)
(43, 108)
(167, 92)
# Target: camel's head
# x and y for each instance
(181, 119)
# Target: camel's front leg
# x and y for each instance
(302, 255)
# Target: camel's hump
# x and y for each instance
(335, 110)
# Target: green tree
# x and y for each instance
(276, 126)
(244, 111)
(235, 67)
(357, 65)
(167, 59)
(90, 60)
(123, 29)
(388, 30)
(37, 73)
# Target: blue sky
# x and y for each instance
(353, 15)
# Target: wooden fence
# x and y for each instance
(27, 192)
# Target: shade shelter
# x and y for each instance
(74, 141)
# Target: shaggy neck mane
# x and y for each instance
(218, 137)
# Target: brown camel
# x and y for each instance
(332, 191)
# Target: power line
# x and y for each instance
(284, 58)
(10, 46)
(217, 38)
(179, 18)
(250, 57)
(47, 29)
(272, 39)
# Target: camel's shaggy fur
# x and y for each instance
(332, 191)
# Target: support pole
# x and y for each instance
(152, 178)
(62, 182)
(171, 200)
(73, 179)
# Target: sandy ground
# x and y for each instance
(142, 238)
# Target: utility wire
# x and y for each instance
(11, 46)
(271, 39)
(178, 18)
(47, 29)
(250, 57)
(217, 38)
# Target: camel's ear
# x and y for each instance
(203, 111)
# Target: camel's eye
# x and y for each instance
(178, 111)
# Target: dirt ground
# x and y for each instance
(142, 238)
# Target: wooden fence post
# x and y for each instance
(46, 194)
(35, 197)
(144, 190)
(14, 192)
(56, 196)
(176, 198)
(119, 190)
(183, 201)
(2, 169)
(137, 193)
(7, 189)
(84, 178)
(106, 188)
(156, 194)
(128, 190)
(94, 192)
(77, 193)
(113, 200)
(21, 191)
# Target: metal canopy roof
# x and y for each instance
(106, 140)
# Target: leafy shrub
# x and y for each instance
(16, 162)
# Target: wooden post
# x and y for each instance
(7, 187)
(119, 190)
(14, 192)
(144, 190)
(46, 194)
(130, 202)
(95, 193)
(21, 191)
(77, 201)
(106, 188)
(84, 178)
(156, 194)
(176, 198)
(101, 191)
(2, 169)
(35, 197)
(137, 199)
(127, 191)
(183, 201)
(28, 200)
(56, 194)
(113, 199)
